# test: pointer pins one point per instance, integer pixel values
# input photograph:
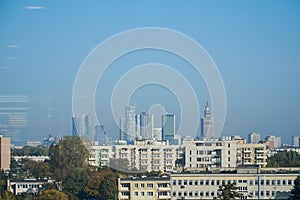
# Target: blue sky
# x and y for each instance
(255, 44)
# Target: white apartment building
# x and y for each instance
(252, 154)
(250, 182)
(210, 153)
(149, 155)
(100, 155)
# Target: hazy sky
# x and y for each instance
(255, 44)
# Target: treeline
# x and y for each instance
(31, 151)
(284, 159)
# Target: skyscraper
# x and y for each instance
(168, 127)
(146, 125)
(296, 141)
(253, 138)
(276, 140)
(207, 123)
(83, 125)
(128, 125)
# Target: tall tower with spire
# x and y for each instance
(207, 123)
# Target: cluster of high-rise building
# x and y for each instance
(141, 126)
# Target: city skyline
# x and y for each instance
(254, 45)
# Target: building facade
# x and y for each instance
(250, 185)
(4, 153)
(252, 154)
(168, 127)
(147, 188)
(100, 156)
(149, 155)
(210, 153)
(296, 141)
(253, 138)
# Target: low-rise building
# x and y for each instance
(135, 188)
(32, 186)
(251, 183)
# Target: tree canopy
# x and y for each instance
(284, 159)
(296, 190)
(228, 191)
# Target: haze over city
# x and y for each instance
(255, 46)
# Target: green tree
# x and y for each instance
(68, 163)
(52, 195)
(284, 159)
(296, 190)
(92, 187)
(7, 195)
(108, 188)
(228, 191)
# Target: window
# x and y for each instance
(201, 182)
(212, 194)
(136, 194)
(136, 185)
(201, 194)
(261, 182)
(196, 194)
(179, 182)
(185, 182)
(150, 194)
(149, 185)
(273, 182)
(278, 182)
(267, 182)
(190, 193)
(261, 193)
(196, 182)
(179, 193)
(289, 182)
(273, 193)
(185, 194)
(174, 194)
(267, 193)
(174, 182)
(283, 182)
(190, 182)
(207, 182)
(206, 193)
(218, 182)
(142, 193)
(125, 193)
(212, 182)
(228, 145)
(250, 182)
(142, 185)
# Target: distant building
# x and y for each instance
(296, 141)
(207, 123)
(4, 153)
(157, 133)
(275, 139)
(83, 125)
(168, 127)
(33, 143)
(253, 138)
(146, 125)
